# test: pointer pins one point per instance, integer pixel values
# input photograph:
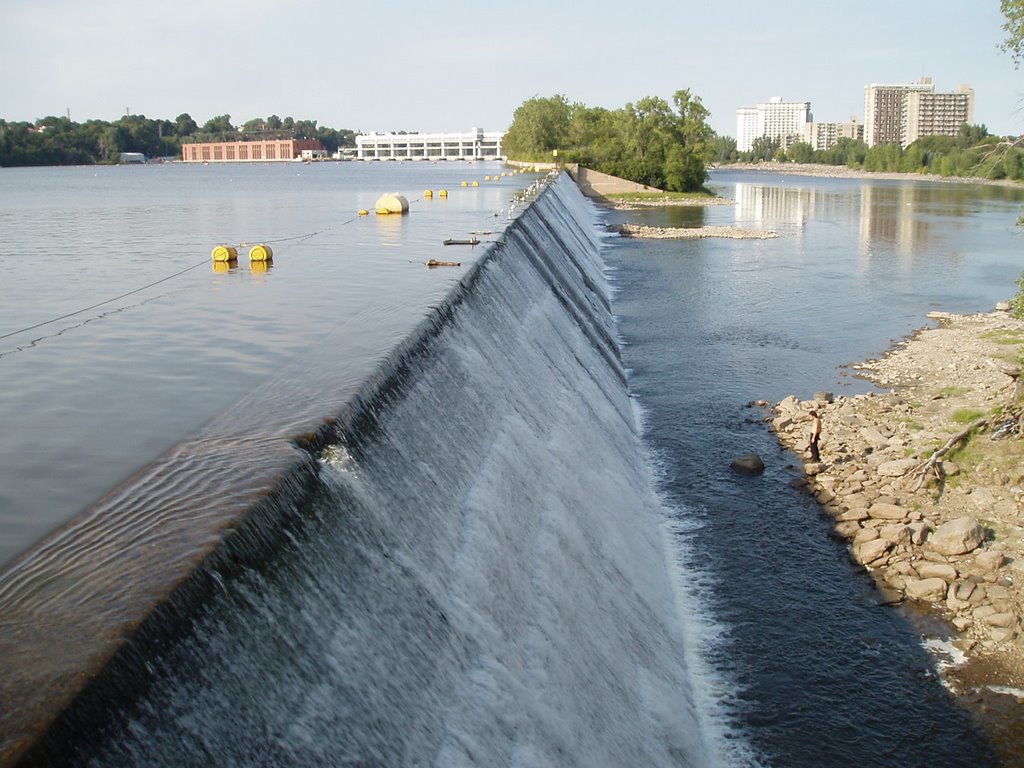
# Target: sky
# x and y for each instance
(452, 66)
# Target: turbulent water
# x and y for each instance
(479, 574)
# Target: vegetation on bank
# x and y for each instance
(650, 142)
(59, 141)
(972, 153)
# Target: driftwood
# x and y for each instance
(933, 463)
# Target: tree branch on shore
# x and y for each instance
(934, 464)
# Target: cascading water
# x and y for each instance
(477, 574)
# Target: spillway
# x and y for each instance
(467, 564)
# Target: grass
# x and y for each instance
(953, 391)
(966, 415)
(1004, 336)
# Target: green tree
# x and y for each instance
(800, 152)
(219, 126)
(184, 125)
(539, 126)
(1013, 11)
(723, 149)
(764, 148)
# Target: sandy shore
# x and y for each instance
(894, 512)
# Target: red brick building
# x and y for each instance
(248, 151)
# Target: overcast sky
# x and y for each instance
(451, 66)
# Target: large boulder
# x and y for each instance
(957, 537)
(748, 464)
(928, 590)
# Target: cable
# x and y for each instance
(102, 303)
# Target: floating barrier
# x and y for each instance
(391, 203)
(225, 253)
(428, 193)
(465, 183)
(443, 193)
(364, 212)
(261, 252)
(476, 183)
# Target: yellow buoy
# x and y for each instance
(488, 178)
(503, 173)
(428, 193)
(476, 183)
(391, 203)
(261, 252)
(225, 253)
(465, 183)
(443, 193)
(364, 212)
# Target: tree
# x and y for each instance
(1013, 11)
(764, 148)
(800, 152)
(723, 149)
(539, 126)
(219, 125)
(184, 125)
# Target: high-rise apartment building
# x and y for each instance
(822, 136)
(901, 114)
(775, 119)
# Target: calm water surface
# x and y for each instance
(822, 675)
(139, 340)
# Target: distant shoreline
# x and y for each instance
(843, 172)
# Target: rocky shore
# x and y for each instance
(692, 233)
(945, 536)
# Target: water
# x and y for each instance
(823, 677)
(471, 566)
(91, 398)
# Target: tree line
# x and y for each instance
(972, 153)
(60, 141)
(650, 142)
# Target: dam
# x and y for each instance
(462, 562)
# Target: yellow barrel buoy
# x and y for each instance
(465, 183)
(443, 193)
(476, 183)
(488, 178)
(261, 252)
(225, 253)
(364, 212)
(428, 193)
(503, 173)
(391, 203)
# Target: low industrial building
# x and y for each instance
(260, 150)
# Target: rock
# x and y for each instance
(1002, 306)
(749, 464)
(853, 514)
(989, 561)
(1003, 634)
(957, 537)
(883, 511)
(864, 535)
(927, 590)
(824, 397)
(950, 469)
(847, 528)
(1001, 620)
(918, 533)
(898, 534)
(871, 551)
(937, 571)
(874, 438)
(897, 467)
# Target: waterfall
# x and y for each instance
(471, 568)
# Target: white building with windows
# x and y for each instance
(774, 119)
(474, 144)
